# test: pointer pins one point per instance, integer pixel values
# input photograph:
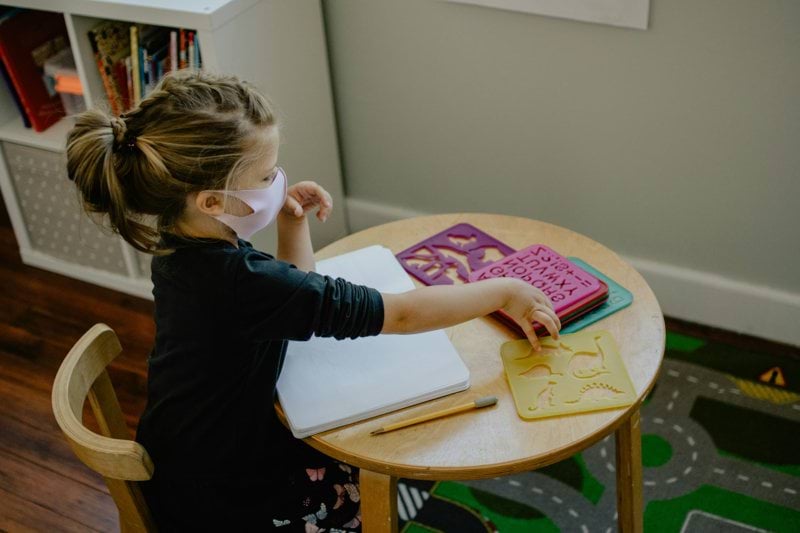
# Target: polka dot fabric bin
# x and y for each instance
(57, 226)
(143, 263)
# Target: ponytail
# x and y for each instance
(94, 146)
(189, 135)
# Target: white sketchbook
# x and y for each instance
(326, 383)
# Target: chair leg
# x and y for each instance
(378, 502)
(629, 476)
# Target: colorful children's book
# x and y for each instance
(449, 256)
(110, 42)
(13, 91)
(27, 40)
(618, 298)
(572, 290)
(577, 373)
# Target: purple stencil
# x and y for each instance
(428, 261)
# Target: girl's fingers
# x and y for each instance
(543, 300)
(311, 194)
(552, 314)
(547, 321)
(327, 207)
(531, 334)
(293, 206)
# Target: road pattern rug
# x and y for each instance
(720, 447)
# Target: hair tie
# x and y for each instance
(123, 138)
(130, 143)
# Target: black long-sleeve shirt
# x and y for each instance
(223, 317)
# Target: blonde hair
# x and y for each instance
(194, 132)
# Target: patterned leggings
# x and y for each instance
(319, 496)
(322, 496)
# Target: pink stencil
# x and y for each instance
(567, 285)
(458, 250)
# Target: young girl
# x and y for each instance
(189, 176)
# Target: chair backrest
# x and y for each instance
(121, 461)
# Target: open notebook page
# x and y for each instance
(327, 383)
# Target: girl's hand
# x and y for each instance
(528, 304)
(303, 197)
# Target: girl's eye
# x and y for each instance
(271, 175)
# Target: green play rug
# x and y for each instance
(719, 447)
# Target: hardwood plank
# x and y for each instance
(23, 516)
(46, 449)
(57, 493)
(26, 396)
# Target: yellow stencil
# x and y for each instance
(574, 374)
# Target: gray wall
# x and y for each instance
(679, 144)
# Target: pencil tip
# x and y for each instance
(377, 432)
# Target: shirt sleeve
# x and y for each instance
(275, 300)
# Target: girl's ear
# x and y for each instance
(209, 203)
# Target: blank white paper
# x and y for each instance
(327, 383)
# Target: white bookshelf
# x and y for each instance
(277, 45)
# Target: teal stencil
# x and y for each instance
(618, 298)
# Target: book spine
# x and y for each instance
(192, 64)
(137, 83)
(143, 87)
(113, 102)
(7, 77)
(129, 81)
(146, 81)
(121, 79)
(173, 51)
(197, 52)
(182, 50)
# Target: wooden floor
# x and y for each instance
(43, 487)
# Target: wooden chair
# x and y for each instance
(121, 461)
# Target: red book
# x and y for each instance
(27, 39)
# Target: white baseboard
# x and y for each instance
(683, 293)
(137, 287)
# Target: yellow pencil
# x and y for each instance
(477, 404)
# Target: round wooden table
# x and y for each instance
(496, 441)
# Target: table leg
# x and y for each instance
(629, 476)
(378, 502)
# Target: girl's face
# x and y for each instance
(259, 174)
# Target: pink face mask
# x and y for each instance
(265, 203)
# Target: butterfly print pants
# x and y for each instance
(322, 496)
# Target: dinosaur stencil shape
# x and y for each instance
(577, 373)
(544, 399)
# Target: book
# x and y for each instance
(190, 52)
(152, 39)
(27, 40)
(182, 61)
(13, 91)
(572, 290)
(136, 77)
(110, 42)
(327, 383)
(173, 51)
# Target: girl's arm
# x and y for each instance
(294, 237)
(437, 307)
(294, 241)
